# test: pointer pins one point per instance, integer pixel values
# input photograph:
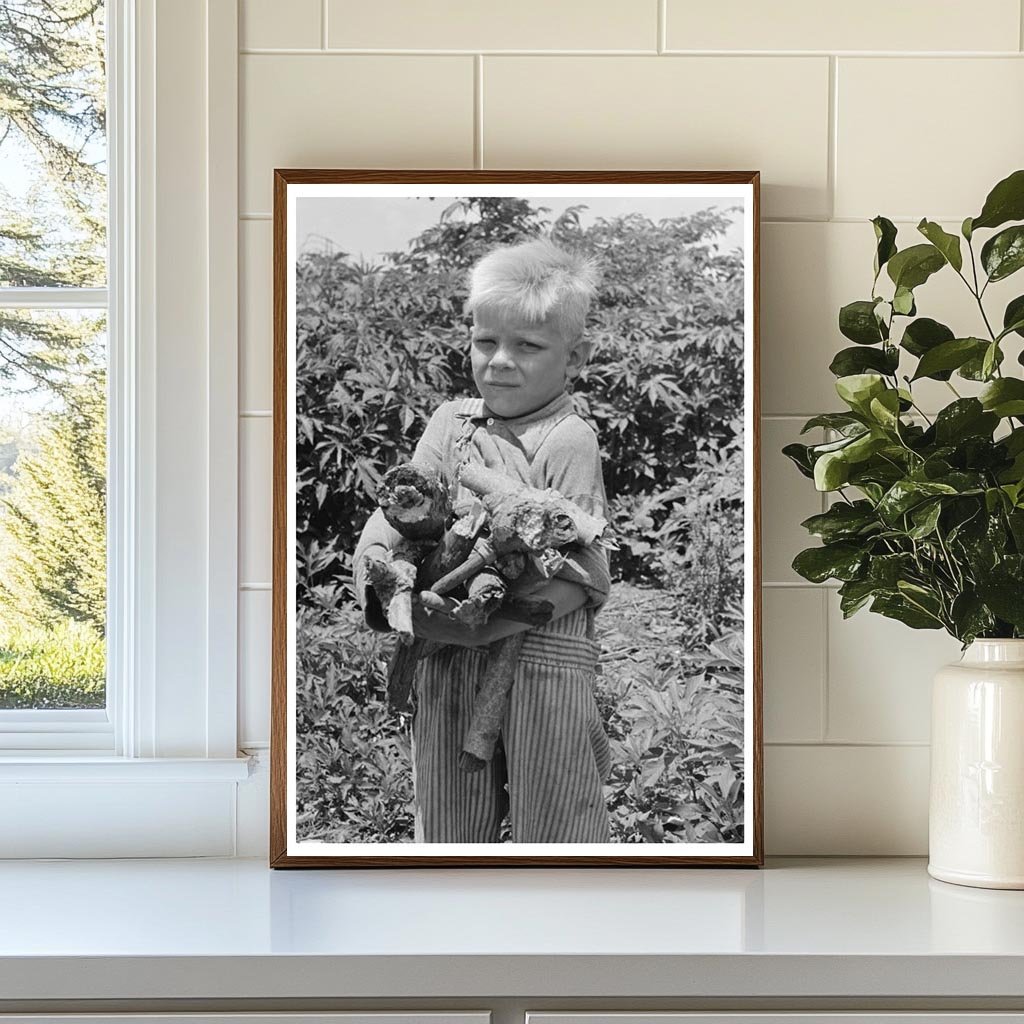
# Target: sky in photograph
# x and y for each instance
(369, 227)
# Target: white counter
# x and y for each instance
(234, 930)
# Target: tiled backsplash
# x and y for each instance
(909, 110)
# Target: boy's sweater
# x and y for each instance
(550, 447)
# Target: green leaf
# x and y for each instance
(854, 594)
(1003, 254)
(923, 335)
(887, 570)
(995, 500)
(832, 561)
(965, 229)
(947, 244)
(925, 518)
(799, 454)
(843, 521)
(1004, 397)
(885, 409)
(831, 471)
(974, 368)
(1015, 520)
(906, 494)
(912, 267)
(970, 617)
(858, 389)
(1005, 596)
(1005, 202)
(865, 446)
(849, 361)
(903, 302)
(885, 236)
(949, 356)
(1013, 317)
(966, 417)
(857, 322)
(833, 421)
(990, 360)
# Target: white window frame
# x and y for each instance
(157, 773)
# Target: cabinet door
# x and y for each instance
(785, 1017)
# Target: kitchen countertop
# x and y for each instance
(232, 929)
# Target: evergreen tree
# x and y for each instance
(53, 519)
(52, 128)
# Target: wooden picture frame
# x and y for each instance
(702, 231)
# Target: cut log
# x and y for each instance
(456, 543)
(495, 488)
(414, 501)
(393, 579)
(490, 703)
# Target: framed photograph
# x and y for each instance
(516, 548)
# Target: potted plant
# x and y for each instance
(927, 521)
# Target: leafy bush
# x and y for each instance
(353, 781)
(379, 348)
(63, 666)
(676, 730)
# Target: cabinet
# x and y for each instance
(934, 1017)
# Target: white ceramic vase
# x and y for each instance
(976, 813)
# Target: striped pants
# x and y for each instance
(552, 756)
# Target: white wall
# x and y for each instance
(906, 109)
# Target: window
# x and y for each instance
(53, 371)
(155, 771)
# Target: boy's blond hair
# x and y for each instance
(533, 280)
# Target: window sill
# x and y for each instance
(77, 766)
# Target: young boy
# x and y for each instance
(529, 303)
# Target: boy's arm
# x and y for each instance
(572, 466)
(565, 596)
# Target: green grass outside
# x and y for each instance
(60, 667)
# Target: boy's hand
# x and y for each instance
(565, 597)
(445, 630)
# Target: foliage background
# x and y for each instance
(379, 346)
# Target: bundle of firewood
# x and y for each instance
(467, 561)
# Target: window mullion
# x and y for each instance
(53, 298)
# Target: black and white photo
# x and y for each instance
(516, 612)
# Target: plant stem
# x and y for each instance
(952, 565)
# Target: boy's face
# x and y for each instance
(519, 366)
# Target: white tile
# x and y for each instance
(808, 272)
(787, 499)
(255, 316)
(479, 25)
(868, 25)
(961, 130)
(880, 675)
(351, 111)
(254, 627)
(681, 113)
(271, 24)
(847, 801)
(255, 510)
(794, 663)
